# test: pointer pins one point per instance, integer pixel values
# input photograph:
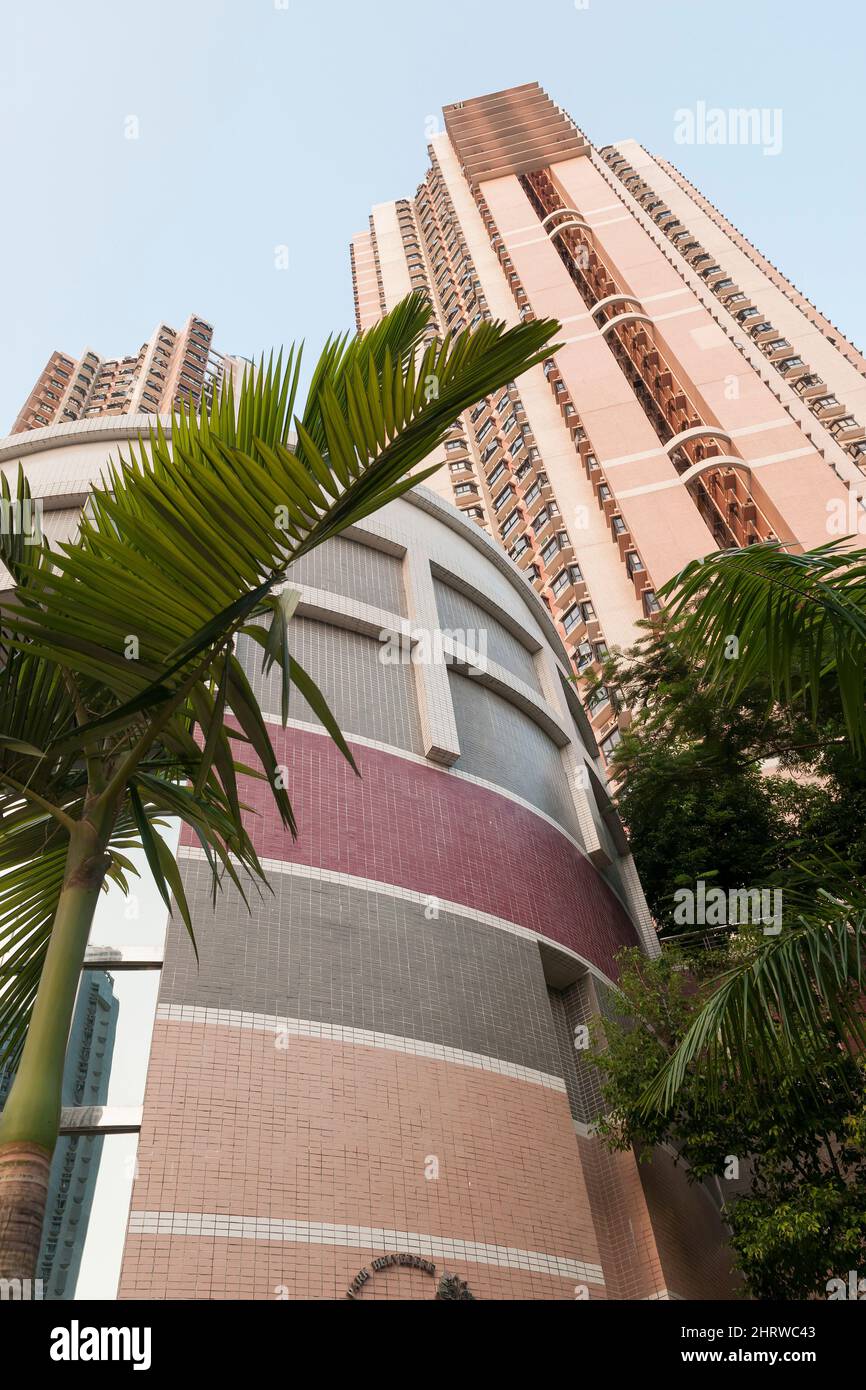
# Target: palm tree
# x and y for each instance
(794, 1003)
(118, 676)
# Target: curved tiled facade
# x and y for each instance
(379, 1057)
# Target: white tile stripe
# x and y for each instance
(751, 464)
(735, 434)
(678, 313)
(214, 1226)
(657, 318)
(395, 890)
(647, 299)
(357, 1037)
(609, 221)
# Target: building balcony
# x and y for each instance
(526, 558)
(462, 471)
(575, 591)
(777, 349)
(810, 388)
(846, 433)
(546, 530)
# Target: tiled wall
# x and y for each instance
(366, 695)
(258, 1162)
(341, 955)
(367, 1061)
(349, 567)
(501, 744)
(457, 613)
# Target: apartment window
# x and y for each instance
(584, 656)
(533, 494)
(454, 444)
(650, 603)
(610, 743)
(489, 451)
(551, 549)
(562, 581)
(496, 474)
(603, 492)
(514, 449)
(618, 525)
(588, 612)
(466, 490)
(519, 548)
(510, 522)
(600, 696)
(633, 562)
(571, 619)
(505, 495)
(484, 431)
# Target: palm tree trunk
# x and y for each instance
(31, 1116)
(24, 1170)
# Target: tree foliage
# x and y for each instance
(792, 1176)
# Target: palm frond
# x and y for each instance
(792, 1007)
(117, 670)
(797, 619)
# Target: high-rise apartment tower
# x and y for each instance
(172, 367)
(698, 400)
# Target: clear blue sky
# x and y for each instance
(262, 126)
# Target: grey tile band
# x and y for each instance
(338, 953)
(394, 890)
(354, 1037)
(211, 1226)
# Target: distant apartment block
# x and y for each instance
(698, 400)
(174, 366)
